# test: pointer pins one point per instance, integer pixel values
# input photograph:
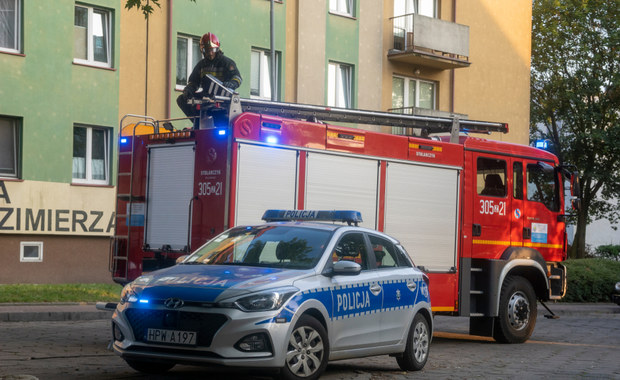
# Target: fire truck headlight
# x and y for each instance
(263, 301)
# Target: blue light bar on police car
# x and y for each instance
(348, 216)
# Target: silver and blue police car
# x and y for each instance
(289, 294)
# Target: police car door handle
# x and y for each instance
(375, 289)
(412, 285)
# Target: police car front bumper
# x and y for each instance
(227, 337)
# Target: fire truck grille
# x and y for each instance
(204, 324)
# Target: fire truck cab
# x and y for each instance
(484, 219)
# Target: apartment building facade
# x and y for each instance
(66, 87)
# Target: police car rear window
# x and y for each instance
(268, 246)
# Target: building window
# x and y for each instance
(343, 7)
(422, 7)
(92, 36)
(31, 251)
(10, 25)
(339, 85)
(188, 55)
(9, 147)
(408, 93)
(260, 76)
(91, 147)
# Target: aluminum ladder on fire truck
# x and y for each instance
(120, 244)
(423, 125)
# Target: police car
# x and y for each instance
(289, 294)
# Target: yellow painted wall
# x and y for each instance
(133, 96)
(496, 87)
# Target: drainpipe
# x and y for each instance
(146, 74)
(452, 70)
(169, 60)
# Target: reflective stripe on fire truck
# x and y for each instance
(516, 244)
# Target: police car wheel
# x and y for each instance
(517, 311)
(418, 344)
(307, 351)
(149, 366)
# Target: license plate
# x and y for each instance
(171, 336)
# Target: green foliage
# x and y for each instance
(610, 251)
(14, 293)
(143, 5)
(591, 280)
(575, 97)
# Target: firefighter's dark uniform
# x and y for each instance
(221, 67)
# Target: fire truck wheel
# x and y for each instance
(307, 351)
(418, 343)
(149, 366)
(517, 311)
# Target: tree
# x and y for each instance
(575, 98)
(144, 6)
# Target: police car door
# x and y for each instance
(356, 299)
(402, 289)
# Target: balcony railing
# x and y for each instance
(430, 42)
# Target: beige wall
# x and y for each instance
(311, 64)
(370, 59)
(133, 71)
(496, 86)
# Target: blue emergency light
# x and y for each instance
(542, 144)
(221, 132)
(348, 216)
(123, 140)
(272, 140)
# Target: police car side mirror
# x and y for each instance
(344, 268)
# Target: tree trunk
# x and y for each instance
(578, 249)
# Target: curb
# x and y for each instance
(51, 312)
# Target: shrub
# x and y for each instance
(591, 280)
(610, 251)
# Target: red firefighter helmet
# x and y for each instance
(209, 41)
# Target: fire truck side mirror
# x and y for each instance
(576, 204)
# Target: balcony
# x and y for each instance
(429, 42)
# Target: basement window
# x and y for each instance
(31, 251)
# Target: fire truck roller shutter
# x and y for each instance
(170, 188)
(336, 182)
(421, 210)
(266, 178)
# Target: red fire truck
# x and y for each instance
(484, 219)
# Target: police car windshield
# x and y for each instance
(269, 246)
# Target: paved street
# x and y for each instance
(581, 344)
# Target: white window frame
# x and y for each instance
(404, 7)
(416, 82)
(88, 162)
(339, 94)
(24, 244)
(17, 29)
(14, 125)
(264, 79)
(189, 56)
(342, 7)
(90, 51)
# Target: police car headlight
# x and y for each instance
(128, 294)
(265, 301)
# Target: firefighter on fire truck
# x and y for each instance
(214, 63)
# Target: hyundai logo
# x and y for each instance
(173, 303)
